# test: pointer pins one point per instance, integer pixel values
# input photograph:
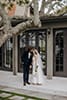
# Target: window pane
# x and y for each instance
(59, 51)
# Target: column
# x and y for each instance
(15, 55)
(49, 54)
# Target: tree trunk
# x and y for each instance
(36, 14)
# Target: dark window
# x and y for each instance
(59, 50)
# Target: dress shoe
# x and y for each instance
(24, 84)
(39, 84)
(28, 83)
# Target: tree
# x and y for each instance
(54, 8)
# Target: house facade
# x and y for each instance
(50, 40)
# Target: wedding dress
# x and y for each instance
(37, 72)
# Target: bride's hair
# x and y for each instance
(35, 52)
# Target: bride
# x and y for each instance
(37, 72)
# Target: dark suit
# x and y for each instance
(27, 62)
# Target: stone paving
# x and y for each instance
(11, 96)
(55, 89)
(5, 95)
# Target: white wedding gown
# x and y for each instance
(37, 76)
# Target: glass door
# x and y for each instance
(8, 55)
(59, 58)
(1, 57)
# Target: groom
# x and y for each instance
(27, 60)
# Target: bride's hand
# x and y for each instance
(30, 66)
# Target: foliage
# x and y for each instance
(51, 7)
(20, 2)
(48, 8)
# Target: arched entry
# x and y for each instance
(36, 38)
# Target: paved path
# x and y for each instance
(13, 95)
(55, 89)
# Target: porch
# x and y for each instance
(53, 89)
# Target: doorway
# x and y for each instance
(7, 55)
(0, 57)
(35, 38)
(60, 52)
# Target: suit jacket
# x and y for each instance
(27, 58)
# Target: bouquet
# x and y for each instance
(36, 68)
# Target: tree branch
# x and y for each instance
(22, 26)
